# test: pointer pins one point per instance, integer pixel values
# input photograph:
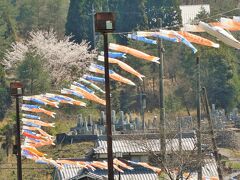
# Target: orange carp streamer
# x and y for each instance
(133, 52)
(123, 65)
(198, 39)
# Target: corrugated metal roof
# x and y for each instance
(89, 174)
(138, 173)
(67, 172)
(209, 169)
(189, 12)
(71, 172)
(144, 145)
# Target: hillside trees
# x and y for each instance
(79, 19)
(167, 10)
(60, 58)
(8, 34)
(44, 15)
(32, 75)
(4, 94)
(8, 31)
(218, 71)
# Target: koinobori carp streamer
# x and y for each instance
(94, 86)
(94, 78)
(88, 95)
(169, 35)
(133, 52)
(221, 34)
(123, 65)
(101, 70)
(198, 39)
(141, 38)
(37, 109)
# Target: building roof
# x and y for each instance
(189, 12)
(71, 172)
(209, 169)
(67, 172)
(88, 175)
(134, 145)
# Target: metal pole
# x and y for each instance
(142, 111)
(108, 110)
(93, 26)
(18, 141)
(161, 91)
(180, 145)
(215, 151)
(199, 141)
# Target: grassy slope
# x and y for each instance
(31, 170)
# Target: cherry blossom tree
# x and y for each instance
(63, 59)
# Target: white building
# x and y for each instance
(189, 12)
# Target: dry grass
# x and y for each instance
(31, 170)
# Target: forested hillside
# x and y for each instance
(220, 68)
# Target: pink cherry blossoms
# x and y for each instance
(63, 59)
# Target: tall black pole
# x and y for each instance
(161, 91)
(142, 110)
(18, 141)
(199, 141)
(180, 145)
(108, 110)
(215, 151)
(93, 26)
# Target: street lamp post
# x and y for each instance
(105, 23)
(16, 89)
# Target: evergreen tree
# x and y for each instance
(4, 94)
(44, 15)
(32, 74)
(8, 32)
(130, 16)
(167, 10)
(79, 19)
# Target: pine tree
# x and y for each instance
(130, 16)
(4, 94)
(31, 72)
(43, 15)
(79, 19)
(8, 32)
(167, 10)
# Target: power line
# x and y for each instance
(179, 25)
(220, 13)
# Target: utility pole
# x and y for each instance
(161, 91)
(16, 89)
(93, 27)
(215, 151)
(142, 107)
(180, 144)
(199, 141)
